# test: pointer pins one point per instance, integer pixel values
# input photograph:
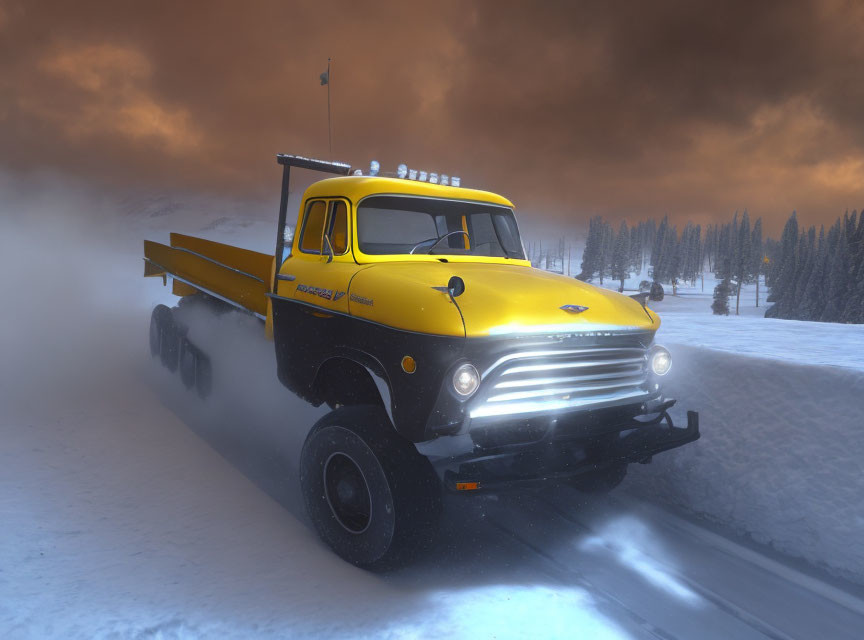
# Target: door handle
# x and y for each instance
(286, 277)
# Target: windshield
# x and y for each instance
(388, 225)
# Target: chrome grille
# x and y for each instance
(560, 380)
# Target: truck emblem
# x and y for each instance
(327, 294)
(573, 308)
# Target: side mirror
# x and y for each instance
(641, 298)
(329, 249)
(456, 286)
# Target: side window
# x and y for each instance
(339, 227)
(313, 227)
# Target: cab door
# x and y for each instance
(308, 274)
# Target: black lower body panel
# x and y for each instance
(554, 457)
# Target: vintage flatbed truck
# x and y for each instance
(410, 309)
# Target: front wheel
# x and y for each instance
(371, 496)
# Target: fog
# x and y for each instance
(136, 505)
(132, 508)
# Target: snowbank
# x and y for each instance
(781, 456)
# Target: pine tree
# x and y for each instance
(708, 245)
(853, 310)
(698, 265)
(806, 260)
(720, 306)
(649, 231)
(784, 271)
(743, 258)
(593, 247)
(841, 282)
(672, 252)
(724, 257)
(757, 253)
(635, 250)
(658, 259)
(607, 247)
(813, 300)
(621, 255)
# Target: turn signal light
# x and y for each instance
(409, 365)
(467, 486)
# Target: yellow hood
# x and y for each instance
(499, 299)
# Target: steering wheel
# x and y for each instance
(437, 240)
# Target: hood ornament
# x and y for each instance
(573, 308)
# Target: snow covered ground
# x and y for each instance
(687, 319)
(781, 458)
(130, 509)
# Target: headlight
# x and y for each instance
(660, 360)
(466, 379)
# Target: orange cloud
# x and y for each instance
(112, 96)
(693, 109)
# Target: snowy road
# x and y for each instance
(130, 509)
(549, 562)
(121, 520)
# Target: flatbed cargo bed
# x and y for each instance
(237, 276)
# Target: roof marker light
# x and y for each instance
(444, 179)
(422, 176)
(402, 170)
(456, 181)
(358, 172)
(412, 174)
(374, 167)
(433, 178)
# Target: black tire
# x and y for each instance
(371, 496)
(601, 481)
(169, 347)
(188, 363)
(158, 319)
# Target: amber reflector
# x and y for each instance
(467, 486)
(409, 365)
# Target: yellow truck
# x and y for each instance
(405, 302)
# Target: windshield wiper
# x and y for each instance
(446, 235)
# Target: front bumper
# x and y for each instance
(552, 457)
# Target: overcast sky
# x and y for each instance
(569, 108)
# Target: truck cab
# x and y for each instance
(384, 271)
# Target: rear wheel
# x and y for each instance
(160, 317)
(371, 496)
(188, 363)
(169, 346)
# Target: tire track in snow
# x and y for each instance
(716, 599)
(567, 575)
(658, 610)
